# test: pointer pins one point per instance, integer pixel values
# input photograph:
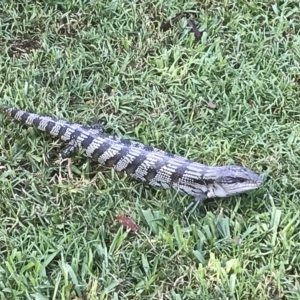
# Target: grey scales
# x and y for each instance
(144, 163)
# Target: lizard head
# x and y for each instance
(231, 180)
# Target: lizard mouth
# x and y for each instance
(240, 188)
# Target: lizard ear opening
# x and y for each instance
(216, 191)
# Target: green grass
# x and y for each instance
(109, 61)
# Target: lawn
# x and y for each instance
(230, 98)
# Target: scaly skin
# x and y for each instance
(145, 163)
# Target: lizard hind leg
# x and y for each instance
(97, 127)
(69, 150)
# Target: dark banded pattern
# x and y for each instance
(143, 162)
